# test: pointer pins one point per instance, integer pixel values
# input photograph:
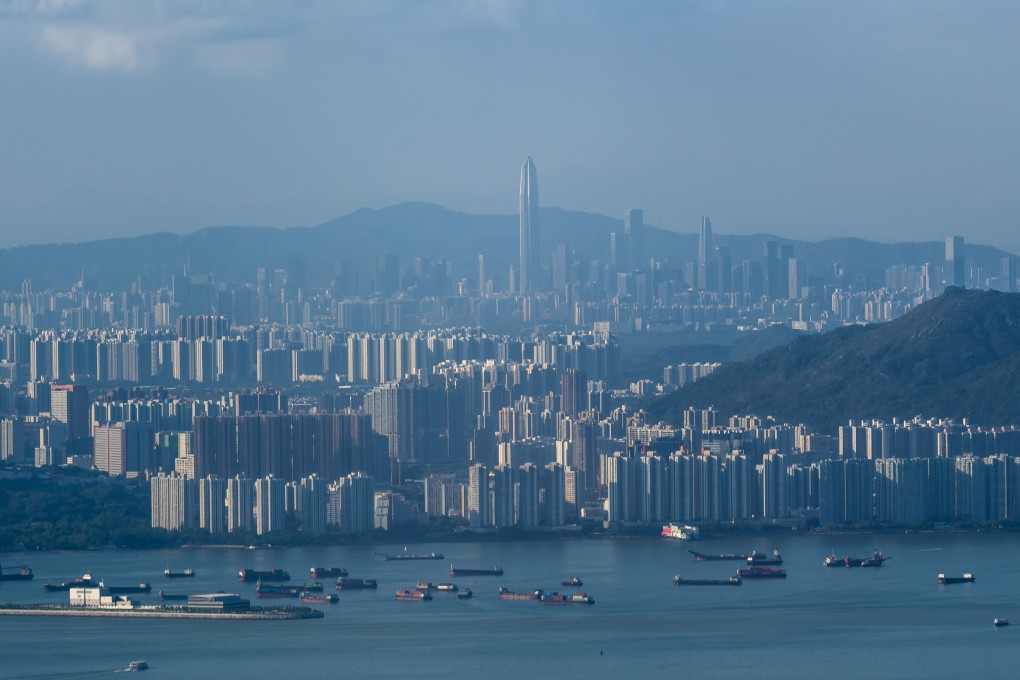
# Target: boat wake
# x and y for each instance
(69, 674)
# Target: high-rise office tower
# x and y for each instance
(70, 404)
(955, 272)
(706, 255)
(634, 228)
(530, 269)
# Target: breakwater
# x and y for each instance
(254, 614)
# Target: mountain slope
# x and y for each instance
(956, 356)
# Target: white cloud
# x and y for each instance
(93, 47)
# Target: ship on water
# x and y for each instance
(84, 581)
(876, 560)
(556, 598)
(267, 590)
(356, 584)
(22, 574)
(762, 560)
(413, 595)
(328, 572)
(411, 556)
(702, 557)
(679, 533)
(313, 598)
(506, 594)
(761, 572)
(731, 581)
(463, 571)
(178, 574)
(947, 580)
(256, 575)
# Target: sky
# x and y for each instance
(892, 121)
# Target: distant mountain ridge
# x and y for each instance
(955, 356)
(413, 230)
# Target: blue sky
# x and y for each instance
(884, 120)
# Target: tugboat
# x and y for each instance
(464, 594)
(139, 665)
(573, 582)
(999, 623)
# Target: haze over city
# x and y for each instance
(888, 121)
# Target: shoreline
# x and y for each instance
(251, 615)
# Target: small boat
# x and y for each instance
(23, 574)
(573, 582)
(447, 587)
(312, 598)
(999, 623)
(139, 665)
(761, 572)
(946, 580)
(413, 595)
(731, 581)
(462, 571)
(761, 559)
(702, 557)
(328, 572)
(356, 584)
(556, 598)
(464, 594)
(178, 574)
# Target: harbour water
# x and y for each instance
(890, 622)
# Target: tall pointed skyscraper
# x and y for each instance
(530, 269)
(706, 255)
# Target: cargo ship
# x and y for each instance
(411, 556)
(505, 594)
(701, 557)
(425, 585)
(178, 574)
(413, 595)
(761, 572)
(762, 560)
(876, 560)
(22, 574)
(266, 590)
(328, 572)
(556, 598)
(679, 533)
(85, 581)
(572, 582)
(447, 587)
(946, 580)
(461, 571)
(356, 584)
(311, 598)
(731, 581)
(256, 575)
(124, 590)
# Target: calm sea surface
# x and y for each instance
(893, 622)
